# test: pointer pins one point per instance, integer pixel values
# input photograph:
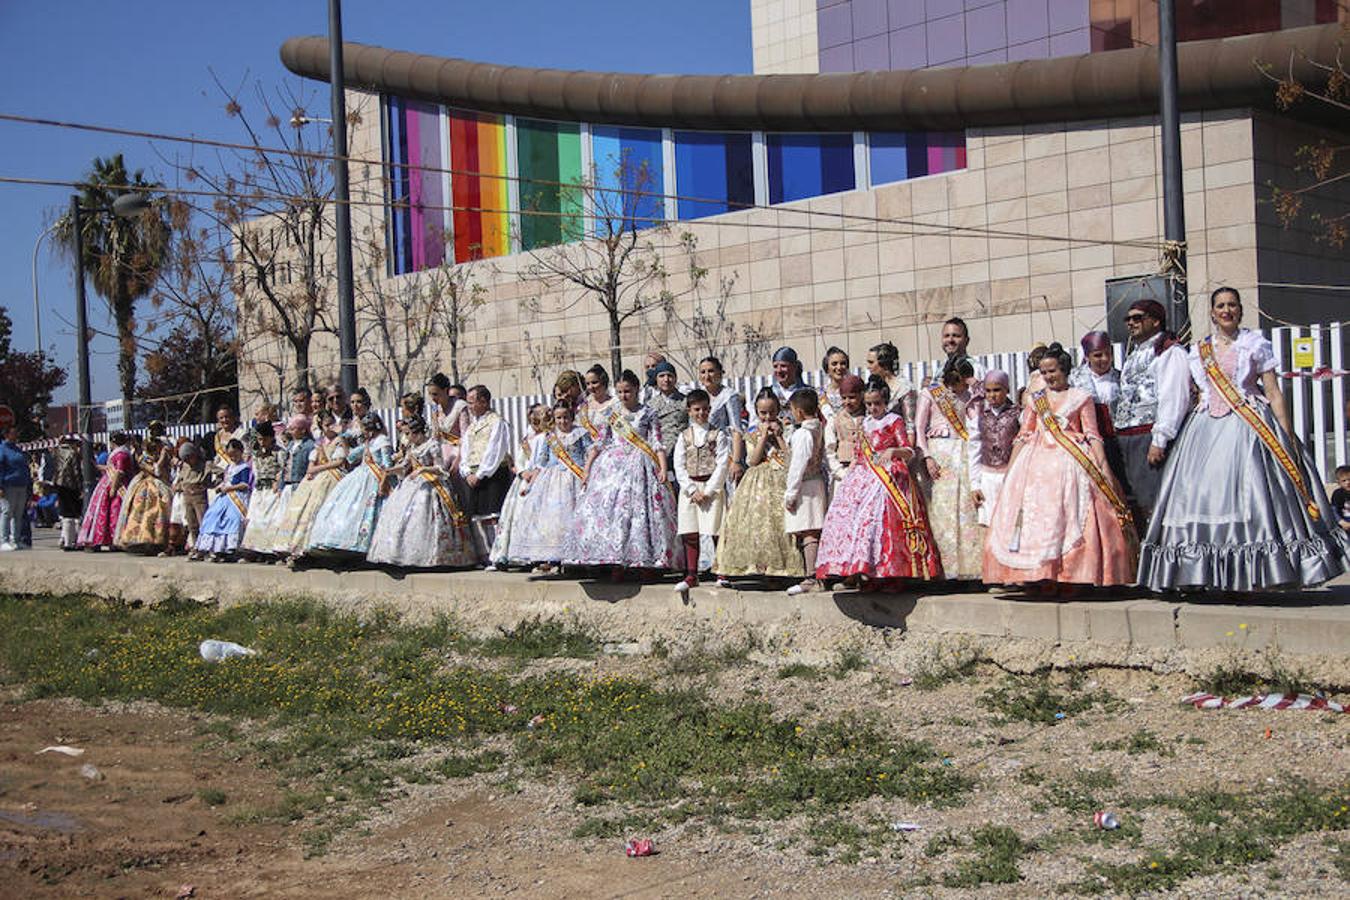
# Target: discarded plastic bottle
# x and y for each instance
(215, 651)
(1106, 821)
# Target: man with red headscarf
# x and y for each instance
(1155, 395)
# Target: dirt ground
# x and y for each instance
(143, 830)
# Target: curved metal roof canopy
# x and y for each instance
(1214, 74)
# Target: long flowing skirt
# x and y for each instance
(265, 507)
(1229, 518)
(222, 526)
(625, 517)
(100, 520)
(545, 515)
(863, 534)
(952, 512)
(346, 521)
(292, 534)
(509, 526)
(144, 520)
(1051, 523)
(418, 529)
(753, 540)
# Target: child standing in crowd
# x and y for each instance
(105, 504)
(485, 466)
(876, 527)
(997, 422)
(626, 517)
(346, 522)
(943, 428)
(269, 470)
(505, 547)
(804, 493)
(754, 538)
(69, 484)
(1340, 498)
(223, 524)
(421, 525)
(190, 483)
(548, 510)
(843, 429)
(701, 457)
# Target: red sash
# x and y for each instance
(915, 534)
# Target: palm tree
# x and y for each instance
(123, 256)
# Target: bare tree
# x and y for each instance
(701, 326)
(398, 319)
(612, 252)
(454, 296)
(274, 201)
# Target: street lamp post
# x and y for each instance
(125, 206)
(37, 310)
(342, 211)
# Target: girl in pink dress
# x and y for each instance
(876, 526)
(1060, 517)
(105, 505)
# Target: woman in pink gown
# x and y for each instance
(1060, 517)
(105, 505)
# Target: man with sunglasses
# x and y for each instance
(1155, 396)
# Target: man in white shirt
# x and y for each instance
(701, 456)
(1155, 396)
(485, 466)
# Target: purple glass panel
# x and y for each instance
(869, 18)
(946, 40)
(988, 59)
(872, 54)
(937, 9)
(1030, 50)
(909, 48)
(1068, 17)
(985, 30)
(821, 4)
(837, 59)
(835, 25)
(1028, 20)
(903, 13)
(1071, 43)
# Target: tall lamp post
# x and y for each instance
(342, 211)
(125, 206)
(1174, 203)
(37, 310)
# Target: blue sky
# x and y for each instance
(147, 65)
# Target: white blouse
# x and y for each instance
(1255, 357)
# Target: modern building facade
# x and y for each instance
(835, 209)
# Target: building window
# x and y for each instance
(808, 165)
(629, 177)
(478, 185)
(549, 155)
(898, 155)
(714, 173)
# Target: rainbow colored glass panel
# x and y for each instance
(714, 173)
(808, 165)
(629, 175)
(479, 188)
(549, 156)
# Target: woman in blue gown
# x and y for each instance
(346, 521)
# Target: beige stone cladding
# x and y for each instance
(783, 36)
(1019, 244)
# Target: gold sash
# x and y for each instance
(916, 536)
(621, 426)
(434, 479)
(1224, 385)
(221, 447)
(560, 450)
(1041, 403)
(586, 420)
(943, 399)
(373, 466)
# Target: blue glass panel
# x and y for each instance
(808, 165)
(889, 158)
(630, 175)
(713, 173)
(400, 222)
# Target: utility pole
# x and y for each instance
(82, 354)
(1174, 198)
(342, 211)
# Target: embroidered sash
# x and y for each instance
(220, 448)
(915, 536)
(434, 479)
(622, 427)
(942, 398)
(238, 504)
(560, 450)
(1224, 385)
(1047, 416)
(373, 466)
(588, 424)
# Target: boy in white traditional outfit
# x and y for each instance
(701, 457)
(804, 498)
(485, 465)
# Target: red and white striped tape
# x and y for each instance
(1263, 701)
(1325, 373)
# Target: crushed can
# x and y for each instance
(1106, 821)
(639, 847)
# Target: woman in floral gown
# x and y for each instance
(944, 426)
(346, 521)
(548, 510)
(753, 540)
(626, 517)
(99, 526)
(505, 550)
(144, 521)
(1060, 518)
(327, 465)
(421, 525)
(876, 527)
